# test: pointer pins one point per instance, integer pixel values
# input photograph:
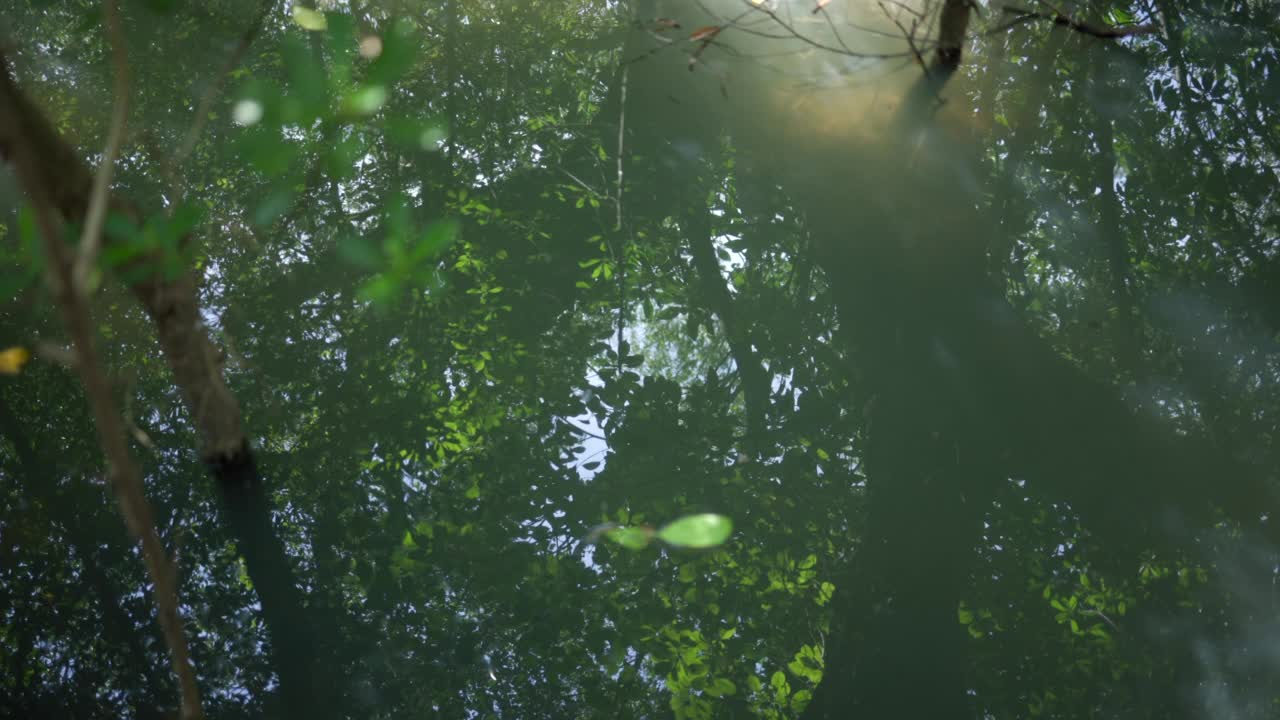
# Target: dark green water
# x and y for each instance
(980, 367)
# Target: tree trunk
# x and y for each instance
(55, 178)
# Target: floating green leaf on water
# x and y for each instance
(704, 530)
(632, 538)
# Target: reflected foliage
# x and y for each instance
(610, 360)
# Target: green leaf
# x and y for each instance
(473, 492)
(365, 101)
(243, 576)
(418, 134)
(185, 219)
(808, 664)
(697, 531)
(380, 290)
(399, 48)
(721, 687)
(632, 538)
(267, 151)
(359, 252)
(438, 237)
(1120, 16)
(825, 591)
(343, 158)
(781, 687)
(308, 85)
(272, 207)
(122, 230)
(340, 36)
(309, 19)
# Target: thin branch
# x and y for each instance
(1099, 613)
(617, 225)
(918, 14)
(126, 414)
(581, 182)
(96, 215)
(908, 35)
(1106, 32)
(211, 93)
(831, 24)
(1020, 20)
(796, 34)
(622, 128)
(123, 471)
(56, 180)
(585, 431)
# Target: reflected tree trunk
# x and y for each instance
(1128, 340)
(753, 378)
(54, 177)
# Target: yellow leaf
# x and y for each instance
(12, 360)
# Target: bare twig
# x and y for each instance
(822, 8)
(841, 49)
(91, 236)
(908, 35)
(918, 14)
(123, 472)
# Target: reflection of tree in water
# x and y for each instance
(990, 384)
(962, 396)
